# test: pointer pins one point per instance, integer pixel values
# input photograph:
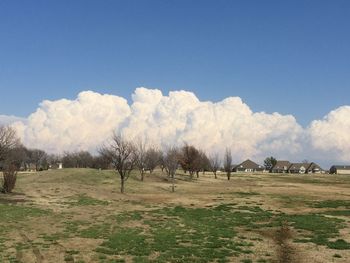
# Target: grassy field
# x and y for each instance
(78, 215)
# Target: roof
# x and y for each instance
(297, 166)
(314, 166)
(281, 165)
(341, 167)
(248, 164)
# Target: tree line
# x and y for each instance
(121, 154)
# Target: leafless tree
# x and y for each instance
(190, 159)
(38, 157)
(8, 141)
(204, 162)
(53, 160)
(82, 159)
(228, 163)
(171, 162)
(141, 156)
(101, 162)
(153, 158)
(9, 178)
(121, 152)
(214, 163)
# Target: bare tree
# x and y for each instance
(190, 159)
(228, 163)
(204, 162)
(8, 141)
(38, 157)
(141, 155)
(101, 162)
(214, 162)
(171, 162)
(9, 178)
(153, 158)
(121, 152)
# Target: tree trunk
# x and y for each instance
(197, 173)
(122, 184)
(142, 174)
(228, 176)
(173, 184)
(215, 175)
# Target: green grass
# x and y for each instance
(339, 244)
(183, 234)
(14, 213)
(84, 200)
(319, 229)
(331, 204)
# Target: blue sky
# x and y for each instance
(290, 57)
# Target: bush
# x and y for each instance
(9, 179)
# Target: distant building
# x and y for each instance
(304, 168)
(314, 168)
(340, 169)
(298, 168)
(248, 166)
(281, 167)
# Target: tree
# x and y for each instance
(228, 163)
(140, 154)
(82, 159)
(8, 141)
(269, 162)
(190, 159)
(214, 163)
(205, 164)
(38, 157)
(121, 152)
(171, 162)
(18, 157)
(153, 158)
(101, 162)
(9, 178)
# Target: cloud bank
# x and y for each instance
(331, 135)
(86, 122)
(6, 120)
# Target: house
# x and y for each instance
(298, 168)
(248, 166)
(304, 168)
(281, 167)
(314, 168)
(340, 169)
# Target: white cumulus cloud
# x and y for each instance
(89, 120)
(331, 135)
(81, 124)
(85, 123)
(9, 119)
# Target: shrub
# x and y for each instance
(9, 179)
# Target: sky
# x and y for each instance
(276, 56)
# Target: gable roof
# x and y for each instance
(297, 166)
(315, 166)
(248, 164)
(281, 165)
